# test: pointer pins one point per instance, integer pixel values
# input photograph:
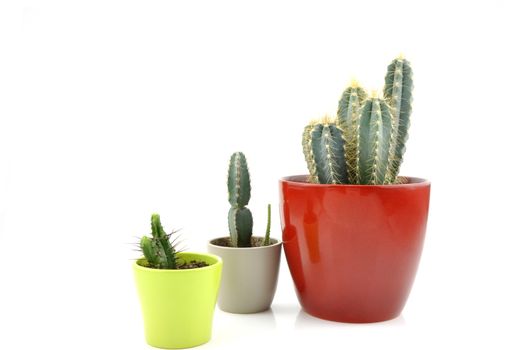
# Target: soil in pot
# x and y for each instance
(192, 264)
(255, 242)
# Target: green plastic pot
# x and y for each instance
(178, 305)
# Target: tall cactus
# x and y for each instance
(325, 152)
(348, 116)
(367, 142)
(239, 186)
(374, 141)
(158, 250)
(398, 93)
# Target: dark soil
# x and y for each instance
(193, 264)
(255, 242)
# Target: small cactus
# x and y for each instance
(158, 250)
(365, 144)
(240, 218)
(325, 152)
(267, 238)
(239, 186)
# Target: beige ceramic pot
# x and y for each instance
(249, 277)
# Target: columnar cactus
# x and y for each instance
(348, 116)
(158, 250)
(398, 92)
(366, 142)
(374, 141)
(239, 186)
(325, 148)
(240, 217)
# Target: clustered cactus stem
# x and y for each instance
(365, 144)
(158, 250)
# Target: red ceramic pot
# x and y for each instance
(353, 250)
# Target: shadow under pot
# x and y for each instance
(250, 275)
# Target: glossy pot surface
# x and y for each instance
(178, 305)
(353, 250)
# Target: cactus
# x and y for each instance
(325, 152)
(366, 143)
(267, 238)
(158, 250)
(398, 93)
(348, 116)
(239, 186)
(240, 218)
(374, 141)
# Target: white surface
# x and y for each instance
(112, 110)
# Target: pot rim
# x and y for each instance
(301, 180)
(211, 266)
(278, 242)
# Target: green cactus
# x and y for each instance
(240, 218)
(267, 238)
(367, 142)
(374, 141)
(239, 186)
(325, 152)
(158, 250)
(348, 116)
(308, 152)
(398, 93)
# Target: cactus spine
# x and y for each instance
(239, 186)
(398, 93)
(366, 143)
(158, 250)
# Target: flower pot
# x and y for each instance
(353, 250)
(178, 305)
(249, 278)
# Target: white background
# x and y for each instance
(111, 110)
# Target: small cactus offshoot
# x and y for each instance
(365, 144)
(159, 250)
(240, 218)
